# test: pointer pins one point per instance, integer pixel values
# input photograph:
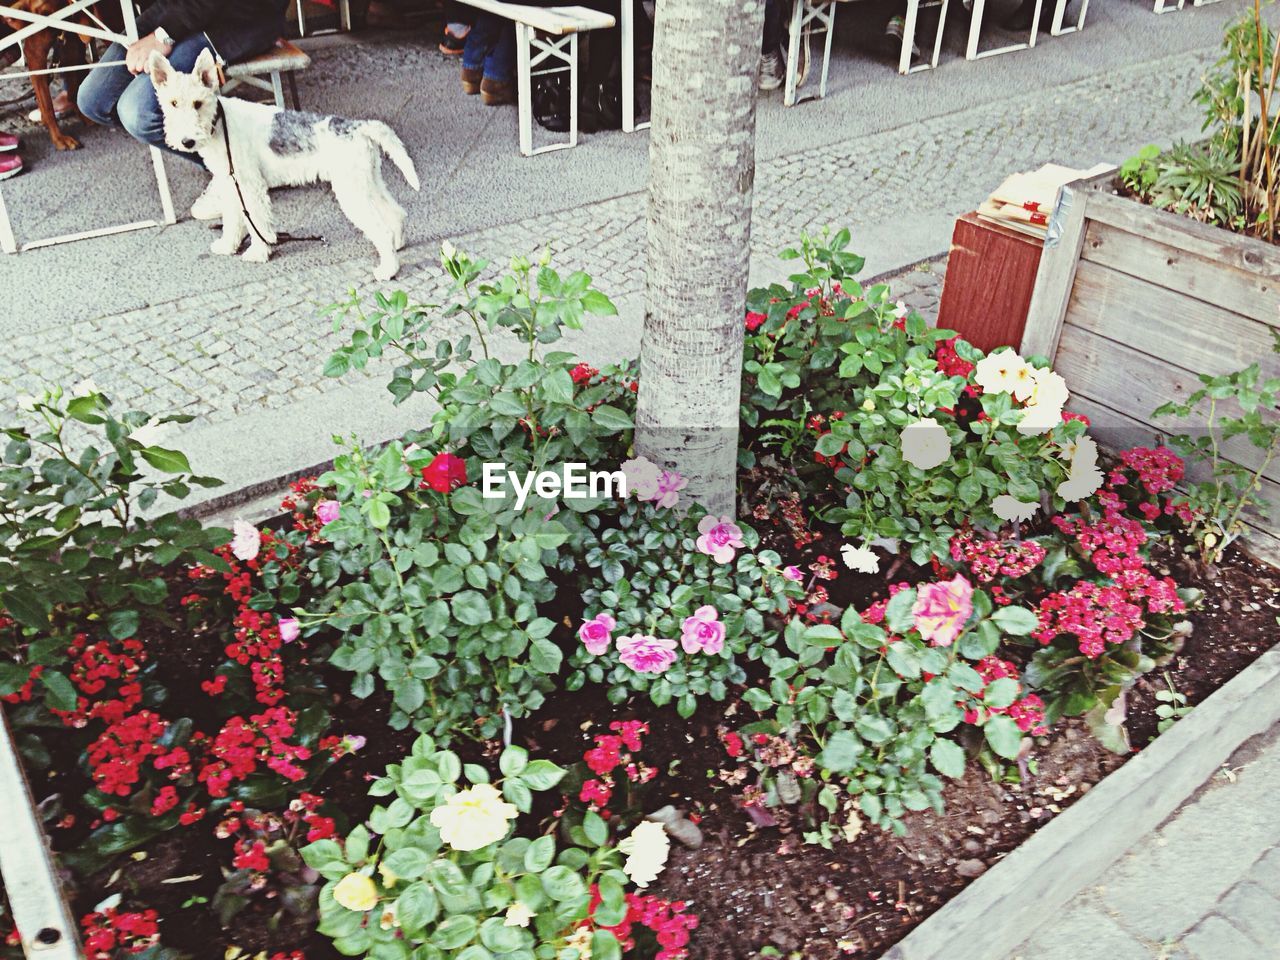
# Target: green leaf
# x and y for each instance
(561, 883)
(947, 758)
(122, 624)
(595, 828)
(60, 693)
(545, 656)
(604, 946)
(28, 607)
(540, 854)
(471, 608)
(416, 908)
(611, 419)
(408, 863)
(542, 775)
(513, 761)
(1016, 621)
(166, 461)
(841, 752)
(1003, 735)
(874, 728)
(897, 615)
(1000, 693)
(455, 932)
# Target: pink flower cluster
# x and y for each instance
(668, 920)
(997, 557)
(1157, 469)
(701, 633)
(613, 752)
(1027, 711)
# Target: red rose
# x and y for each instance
(445, 473)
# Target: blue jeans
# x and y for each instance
(114, 97)
(491, 45)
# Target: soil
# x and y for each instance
(751, 887)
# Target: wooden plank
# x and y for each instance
(1057, 273)
(559, 21)
(991, 272)
(1249, 294)
(1186, 332)
(1115, 431)
(30, 881)
(1133, 383)
(1203, 240)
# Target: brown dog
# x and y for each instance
(35, 50)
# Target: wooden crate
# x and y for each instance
(991, 273)
(1131, 303)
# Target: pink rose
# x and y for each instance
(290, 629)
(793, 573)
(720, 538)
(942, 609)
(245, 541)
(703, 631)
(645, 654)
(327, 511)
(596, 633)
(669, 485)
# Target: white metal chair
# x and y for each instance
(1057, 29)
(284, 60)
(344, 18)
(809, 17)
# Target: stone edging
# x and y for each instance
(1007, 904)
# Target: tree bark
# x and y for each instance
(701, 173)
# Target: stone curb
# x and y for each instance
(1007, 904)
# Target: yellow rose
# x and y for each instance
(474, 818)
(356, 892)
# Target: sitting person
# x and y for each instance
(123, 96)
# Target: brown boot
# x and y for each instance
(495, 93)
(471, 81)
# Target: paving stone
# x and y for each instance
(1266, 872)
(1082, 931)
(1217, 939)
(1254, 911)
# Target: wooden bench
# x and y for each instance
(545, 35)
(266, 71)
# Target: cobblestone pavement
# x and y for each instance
(1204, 886)
(218, 354)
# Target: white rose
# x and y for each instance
(1044, 406)
(647, 850)
(861, 559)
(1012, 509)
(1004, 372)
(925, 443)
(474, 818)
(1085, 477)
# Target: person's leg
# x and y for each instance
(480, 42)
(100, 91)
(773, 26)
(500, 64)
(138, 109)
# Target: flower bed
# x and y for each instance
(798, 730)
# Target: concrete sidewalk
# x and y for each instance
(1204, 886)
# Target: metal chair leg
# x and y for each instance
(293, 90)
(524, 89)
(793, 52)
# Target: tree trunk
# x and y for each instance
(701, 172)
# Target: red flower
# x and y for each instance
(445, 473)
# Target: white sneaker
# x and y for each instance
(772, 71)
(208, 206)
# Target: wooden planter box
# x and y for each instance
(1131, 303)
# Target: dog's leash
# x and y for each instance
(221, 117)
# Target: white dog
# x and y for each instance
(251, 147)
